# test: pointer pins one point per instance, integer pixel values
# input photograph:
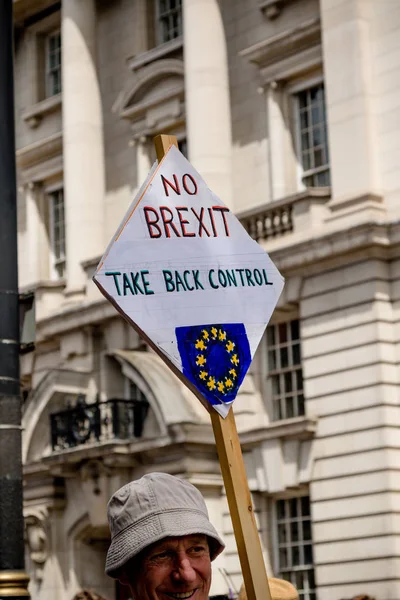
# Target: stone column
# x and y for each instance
(208, 114)
(347, 34)
(84, 171)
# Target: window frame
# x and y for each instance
(49, 93)
(62, 261)
(292, 368)
(293, 90)
(159, 39)
(276, 548)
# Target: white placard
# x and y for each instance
(183, 269)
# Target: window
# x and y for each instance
(133, 392)
(57, 233)
(285, 374)
(169, 20)
(312, 136)
(294, 545)
(53, 64)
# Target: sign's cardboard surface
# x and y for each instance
(184, 271)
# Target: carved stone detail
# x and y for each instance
(37, 540)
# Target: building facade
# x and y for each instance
(290, 109)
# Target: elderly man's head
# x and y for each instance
(162, 542)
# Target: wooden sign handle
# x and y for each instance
(234, 476)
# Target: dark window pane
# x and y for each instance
(280, 509)
(282, 333)
(305, 506)
(293, 508)
(299, 580)
(303, 99)
(305, 141)
(299, 379)
(271, 336)
(276, 387)
(283, 563)
(307, 531)
(308, 558)
(304, 119)
(316, 114)
(323, 179)
(306, 160)
(319, 157)
(311, 579)
(282, 537)
(272, 360)
(317, 136)
(316, 94)
(294, 531)
(278, 410)
(300, 405)
(284, 358)
(296, 354)
(288, 382)
(295, 556)
(295, 330)
(290, 411)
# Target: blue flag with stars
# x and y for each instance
(215, 358)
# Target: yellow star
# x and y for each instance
(235, 360)
(233, 373)
(200, 345)
(230, 346)
(211, 383)
(200, 360)
(229, 383)
(203, 374)
(205, 333)
(221, 387)
(222, 335)
(214, 332)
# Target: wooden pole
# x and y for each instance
(234, 476)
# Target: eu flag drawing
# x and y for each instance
(215, 358)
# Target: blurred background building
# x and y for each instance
(290, 109)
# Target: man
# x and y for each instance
(162, 542)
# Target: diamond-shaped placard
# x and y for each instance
(183, 270)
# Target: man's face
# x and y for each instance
(176, 567)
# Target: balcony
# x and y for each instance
(99, 422)
(293, 214)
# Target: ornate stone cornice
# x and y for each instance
(34, 114)
(156, 100)
(162, 51)
(287, 54)
(369, 239)
(301, 428)
(40, 160)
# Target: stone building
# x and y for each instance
(290, 109)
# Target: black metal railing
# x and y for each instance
(114, 419)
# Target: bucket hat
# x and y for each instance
(149, 509)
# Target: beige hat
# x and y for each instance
(279, 589)
(150, 509)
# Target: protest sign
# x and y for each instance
(184, 271)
